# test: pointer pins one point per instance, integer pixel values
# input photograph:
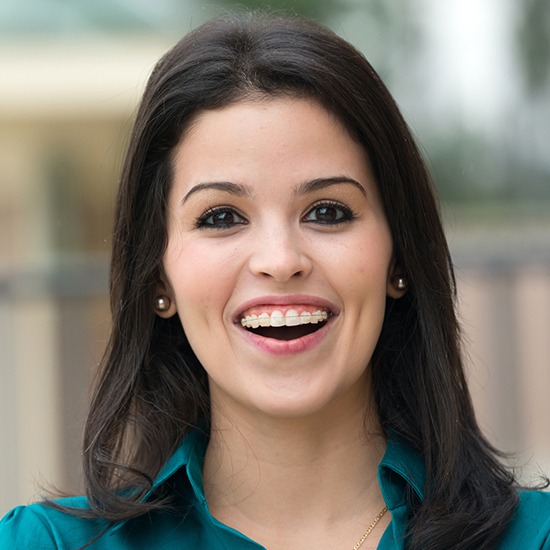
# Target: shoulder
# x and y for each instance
(530, 528)
(39, 526)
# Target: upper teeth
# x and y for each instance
(279, 319)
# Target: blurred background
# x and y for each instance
(473, 80)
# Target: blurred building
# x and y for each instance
(66, 106)
(65, 111)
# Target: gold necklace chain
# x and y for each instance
(371, 527)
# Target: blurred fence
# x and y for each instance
(53, 328)
(54, 325)
(504, 291)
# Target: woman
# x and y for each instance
(285, 363)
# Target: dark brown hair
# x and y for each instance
(151, 387)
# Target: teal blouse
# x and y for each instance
(189, 525)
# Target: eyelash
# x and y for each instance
(202, 221)
(346, 215)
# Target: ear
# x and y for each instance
(164, 303)
(397, 283)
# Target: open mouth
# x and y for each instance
(285, 325)
(286, 333)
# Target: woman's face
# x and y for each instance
(279, 256)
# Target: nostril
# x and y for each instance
(280, 275)
(280, 261)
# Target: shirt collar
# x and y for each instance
(401, 467)
(189, 455)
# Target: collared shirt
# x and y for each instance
(190, 526)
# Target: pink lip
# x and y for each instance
(286, 347)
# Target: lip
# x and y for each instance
(286, 347)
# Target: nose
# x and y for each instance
(281, 255)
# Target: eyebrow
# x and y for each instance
(229, 187)
(304, 188)
(321, 183)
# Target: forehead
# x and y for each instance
(284, 133)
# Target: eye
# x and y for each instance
(221, 217)
(329, 213)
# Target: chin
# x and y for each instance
(304, 403)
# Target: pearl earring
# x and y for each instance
(401, 284)
(162, 303)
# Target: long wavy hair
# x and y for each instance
(151, 388)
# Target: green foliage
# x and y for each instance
(534, 43)
(467, 168)
(314, 9)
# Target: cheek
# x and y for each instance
(199, 276)
(366, 265)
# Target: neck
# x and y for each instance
(281, 474)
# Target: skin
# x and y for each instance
(248, 229)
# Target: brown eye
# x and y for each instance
(329, 214)
(220, 218)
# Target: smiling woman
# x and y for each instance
(297, 228)
(285, 365)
